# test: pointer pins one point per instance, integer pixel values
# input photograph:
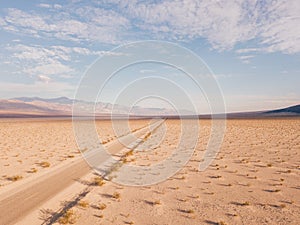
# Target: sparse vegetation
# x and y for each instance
(116, 195)
(98, 181)
(83, 204)
(189, 211)
(33, 170)
(129, 153)
(156, 202)
(245, 203)
(102, 206)
(15, 178)
(68, 217)
(44, 164)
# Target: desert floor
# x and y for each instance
(255, 178)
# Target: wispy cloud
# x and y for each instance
(223, 23)
(44, 78)
(247, 50)
(55, 68)
(79, 24)
(39, 61)
(272, 23)
(246, 58)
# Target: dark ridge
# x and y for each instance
(291, 109)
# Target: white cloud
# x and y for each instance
(2, 22)
(55, 68)
(247, 50)
(42, 5)
(37, 53)
(44, 79)
(281, 31)
(21, 19)
(272, 24)
(82, 24)
(222, 22)
(57, 6)
(246, 58)
(42, 62)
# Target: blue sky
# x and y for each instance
(252, 47)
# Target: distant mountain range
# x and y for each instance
(62, 107)
(292, 111)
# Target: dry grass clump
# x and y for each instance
(83, 204)
(98, 181)
(33, 170)
(189, 211)
(15, 178)
(147, 136)
(68, 217)
(116, 195)
(129, 153)
(245, 203)
(44, 164)
(157, 202)
(102, 206)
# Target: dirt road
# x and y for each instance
(22, 199)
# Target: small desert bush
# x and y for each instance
(33, 170)
(245, 203)
(102, 206)
(116, 195)
(44, 164)
(129, 153)
(98, 181)
(83, 204)
(189, 211)
(15, 178)
(68, 217)
(156, 202)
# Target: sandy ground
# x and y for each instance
(253, 180)
(30, 146)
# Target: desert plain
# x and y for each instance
(254, 179)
